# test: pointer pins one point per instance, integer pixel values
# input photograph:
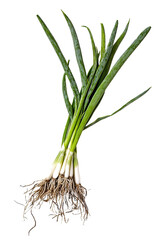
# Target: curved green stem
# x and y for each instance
(76, 117)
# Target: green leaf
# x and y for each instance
(114, 49)
(103, 41)
(65, 95)
(102, 64)
(120, 62)
(77, 51)
(125, 105)
(62, 60)
(89, 72)
(95, 55)
(66, 129)
(101, 89)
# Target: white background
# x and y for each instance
(119, 157)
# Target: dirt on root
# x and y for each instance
(63, 194)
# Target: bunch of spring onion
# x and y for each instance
(62, 188)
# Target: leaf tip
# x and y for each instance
(64, 14)
(147, 90)
(126, 28)
(147, 29)
(39, 19)
(85, 27)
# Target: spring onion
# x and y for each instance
(62, 188)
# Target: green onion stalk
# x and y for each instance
(62, 188)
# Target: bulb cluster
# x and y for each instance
(66, 164)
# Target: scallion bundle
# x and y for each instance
(62, 188)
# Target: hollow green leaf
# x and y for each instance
(77, 51)
(66, 98)
(62, 59)
(102, 64)
(93, 44)
(101, 89)
(89, 72)
(103, 41)
(95, 54)
(114, 49)
(125, 105)
(66, 129)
